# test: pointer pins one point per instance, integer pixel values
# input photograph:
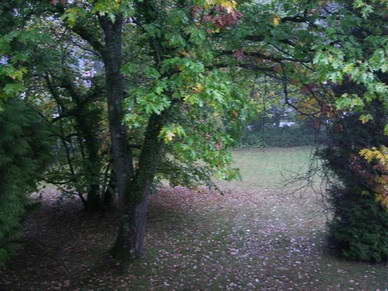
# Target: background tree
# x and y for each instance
(76, 107)
(59, 77)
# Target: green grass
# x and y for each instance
(271, 167)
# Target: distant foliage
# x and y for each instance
(24, 154)
(279, 137)
(271, 133)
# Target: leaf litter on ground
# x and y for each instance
(251, 238)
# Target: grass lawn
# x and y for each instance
(258, 236)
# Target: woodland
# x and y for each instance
(115, 112)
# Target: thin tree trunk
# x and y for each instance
(108, 196)
(93, 200)
(89, 134)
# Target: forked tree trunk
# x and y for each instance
(133, 191)
(130, 240)
(133, 197)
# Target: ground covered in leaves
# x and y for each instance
(258, 236)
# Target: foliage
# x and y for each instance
(24, 155)
(359, 227)
(378, 160)
(357, 192)
(203, 102)
(279, 137)
(355, 68)
(359, 54)
(182, 101)
(335, 53)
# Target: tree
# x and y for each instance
(180, 87)
(179, 91)
(60, 81)
(359, 82)
(24, 155)
(70, 94)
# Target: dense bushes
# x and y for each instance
(24, 154)
(359, 228)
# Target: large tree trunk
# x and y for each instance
(133, 196)
(129, 243)
(112, 57)
(130, 240)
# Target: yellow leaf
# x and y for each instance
(169, 136)
(198, 88)
(365, 118)
(228, 5)
(275, 20)
(17, 75)
(348, 68)
(184, 53)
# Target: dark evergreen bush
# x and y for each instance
(359, 228)
(24, 154)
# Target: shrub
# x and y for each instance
(24, 154)
(359, 229)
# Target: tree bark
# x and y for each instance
(130, 240)
(133, 197)
(133, 191)
(112, 58)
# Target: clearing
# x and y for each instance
(259, 236)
